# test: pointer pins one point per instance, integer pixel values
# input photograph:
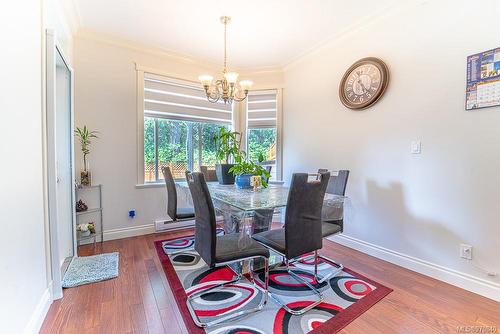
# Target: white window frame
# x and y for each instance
(140, 125)
(279, 128)
(140, 70)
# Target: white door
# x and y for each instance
(64, 152)
(60, 174)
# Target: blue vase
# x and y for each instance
(243, 181)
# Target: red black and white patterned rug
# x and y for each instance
(346, 296)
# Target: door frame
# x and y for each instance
(52, 48)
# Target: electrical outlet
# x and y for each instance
(466, 251)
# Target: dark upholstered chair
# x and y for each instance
(302, 232)
(269, 169)
(221, 250)
(338, 183)
(210, 174)
(336, 186)
(321, 171)
(177, 214)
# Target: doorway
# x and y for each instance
(60, 178)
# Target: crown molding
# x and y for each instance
(92, 35)
(379, 15)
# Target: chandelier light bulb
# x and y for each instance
(231, 77)
(206, 80)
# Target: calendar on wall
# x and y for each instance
(483, 80)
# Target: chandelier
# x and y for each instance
(227, 89)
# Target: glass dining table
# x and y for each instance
(246, 211)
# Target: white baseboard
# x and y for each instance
(125, 232)
(465, 281)
(39, 314)
(133, 231)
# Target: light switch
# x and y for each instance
(416, 147)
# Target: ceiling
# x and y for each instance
(263, 33)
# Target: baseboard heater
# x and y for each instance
(167, 225)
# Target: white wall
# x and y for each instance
(62, 17)
(24, 270)
(23, 280)
(422, 206)
(105, 100)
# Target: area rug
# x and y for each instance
(346, 296)
(90, 269)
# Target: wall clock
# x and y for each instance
(364, 83)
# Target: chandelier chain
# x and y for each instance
(225, 48)
(227, 88)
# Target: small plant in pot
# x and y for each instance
(84, 135)
(245, 169)
(228, 144)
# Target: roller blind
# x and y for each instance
(261, 109)
(170, 98)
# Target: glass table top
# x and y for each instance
(274, 196)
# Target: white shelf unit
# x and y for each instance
(92, 196)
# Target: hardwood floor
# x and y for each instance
(140, 300)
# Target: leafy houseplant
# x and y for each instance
(244, 169)
(227, 145)
(84, 135)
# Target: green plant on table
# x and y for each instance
(227, 144)
(245, 166)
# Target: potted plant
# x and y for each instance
(244, 169)
(84, 135)
(227, 145)
(85, 229)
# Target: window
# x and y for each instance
(179, 126)
(262, 132)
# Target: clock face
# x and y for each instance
(364, 83)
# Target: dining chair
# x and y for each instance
(336, 186)
(177, 214)
(269, 169)
(223, 250)
(210, 174)
(302, 232)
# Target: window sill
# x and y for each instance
(150, 185)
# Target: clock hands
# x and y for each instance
(362, 86)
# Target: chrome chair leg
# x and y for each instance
(333, 273)
(233, 315)
(309, 285)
